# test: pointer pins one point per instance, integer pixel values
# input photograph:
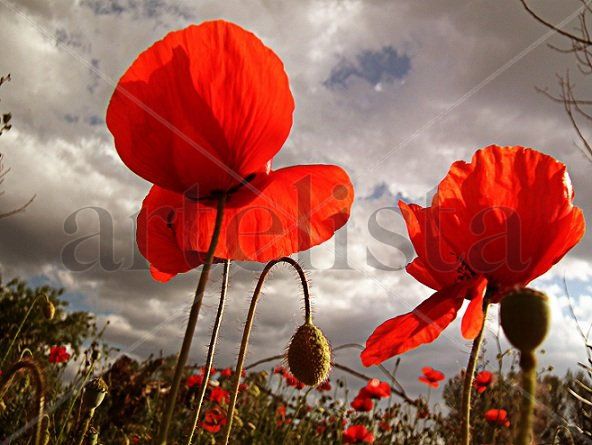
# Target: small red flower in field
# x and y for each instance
(280, 370)
(214, 420)
(226, 372)
(58, 354)
(324, 386)
(497, 222)
(497, 417)
(219, 395)
(362, 404)
(202, 113)
(293, 381)
(194, 380)
(357, 434)
(243, 387)
(202, 370)
(375, 389)
(431, 377)
(483, 380)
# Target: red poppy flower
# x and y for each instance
(203, 112)
(324, 386)
(58, 354)
(357, 434)
(280, 370)
(362, 404)
(431, 377)
(214, 420)
(194, 380)
(293, 381)
(482, 381)
(226, 372)
(219, 395)
(497, 222)
(497, 417)
(375, 389)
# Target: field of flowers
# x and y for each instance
(200, 115)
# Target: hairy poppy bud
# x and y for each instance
(48, 308)
(94, 393)
(309, 355)
(525, 318)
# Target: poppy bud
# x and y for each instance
(48, 308)
(94, 393)
(309, 355)
(525, 318)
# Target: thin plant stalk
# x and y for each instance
(33, 368)
(191, 324)
(211, 350)
(468, 382)
(86, 426)
(247, 332)
(18, 331)
(528, 364)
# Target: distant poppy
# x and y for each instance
(58, 354)
(431, 377)
(482, 381)
(495, 223)
(293, 381)
(219, 395)
(227, 372)
(201, 113)
(324, 386)
(375, 389)
(280, 370)
(194, 380)
(362, 404)
(497, 417)
(214, 420)
(357, 434)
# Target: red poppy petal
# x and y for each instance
(408, 331)
(473, 319)
(156, 239)
(205, 106)
(297, 208)
(436, 265)
(509, 213)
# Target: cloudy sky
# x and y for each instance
(393, 91)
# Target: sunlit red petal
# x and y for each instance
(511, 214)
(205, 106)
(473, 319)
(405, 332)
(296, 209)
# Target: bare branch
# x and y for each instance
(18, 210)
(549, 25)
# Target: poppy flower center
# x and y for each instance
(193, 195)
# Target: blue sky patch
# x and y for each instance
(385, 65)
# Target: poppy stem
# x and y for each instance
(247, 332)
(190, 330)
(211, 349)
(33, 368)
(528, 364)
(469, 377)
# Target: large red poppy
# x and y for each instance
(497, 222)
(203, 112)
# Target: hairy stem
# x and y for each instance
(528, 365)
(211, 350)
(247, 332)
(468, 383)
(33, 368)
(86, 425)
(191, 324)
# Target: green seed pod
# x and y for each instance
(94, 393)
(525, 318)
(48, 308)
(309, 355)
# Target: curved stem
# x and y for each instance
(18, 331)
(190, 330)
(468, 383)
(33, 368)
(528, 365)
(86, 425)
(247, 331)
(211, 349)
